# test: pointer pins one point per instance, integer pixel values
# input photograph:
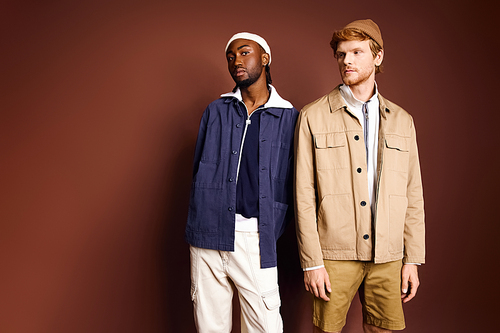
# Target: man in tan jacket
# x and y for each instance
(358, 190)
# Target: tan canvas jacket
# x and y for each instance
(333, 212)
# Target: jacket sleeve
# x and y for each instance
(414, 231)
(305, 195)
(200, 141)
(287, 197)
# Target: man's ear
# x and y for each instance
(379, 58)
(265, 59)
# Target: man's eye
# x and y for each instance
(230, 58)
(244, 52)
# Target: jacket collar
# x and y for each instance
(274, 102)
(385, 106)
(337, 103)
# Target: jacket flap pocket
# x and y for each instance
(329, 140)
(396, 142)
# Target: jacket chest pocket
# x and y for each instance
(397, 154)
(331, 151)
(280, 160)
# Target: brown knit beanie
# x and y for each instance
(370, 28)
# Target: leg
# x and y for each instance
(374, 329)
(257, 287)
(345, 278)
(380, 297)
(211, 291)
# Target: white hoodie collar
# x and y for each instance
(349, 97)
(274, 101)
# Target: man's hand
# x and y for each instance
(316, 281)
(409, 282)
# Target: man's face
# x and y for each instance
(356, 62)
(245, 61)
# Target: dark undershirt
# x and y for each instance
(247, 188)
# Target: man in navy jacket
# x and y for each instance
(241, 190)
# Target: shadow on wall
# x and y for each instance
(183, 117)
(174, 251)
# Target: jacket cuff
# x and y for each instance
(414, 260)
(312, 263)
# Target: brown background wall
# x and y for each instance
(100, 103)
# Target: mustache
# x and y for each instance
(238, 68)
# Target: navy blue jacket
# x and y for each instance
(212, 204)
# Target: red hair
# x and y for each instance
(355, 34)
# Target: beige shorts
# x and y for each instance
(379, 288)
(215, 275)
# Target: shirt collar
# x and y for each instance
(274, 101)
(346, 93)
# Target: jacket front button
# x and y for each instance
(230, 209)
(359, 170)
(356, 137)
(365, 236)
(238, 125)
(231, 179)
(234, 152)
(363, 203)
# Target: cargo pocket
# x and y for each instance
(193, 252)
(272, 299)
(331, 151)
(193, 292)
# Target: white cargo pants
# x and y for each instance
(214, 274)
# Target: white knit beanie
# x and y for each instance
(256, 38)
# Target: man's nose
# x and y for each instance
(238, 60)
(348, 59)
